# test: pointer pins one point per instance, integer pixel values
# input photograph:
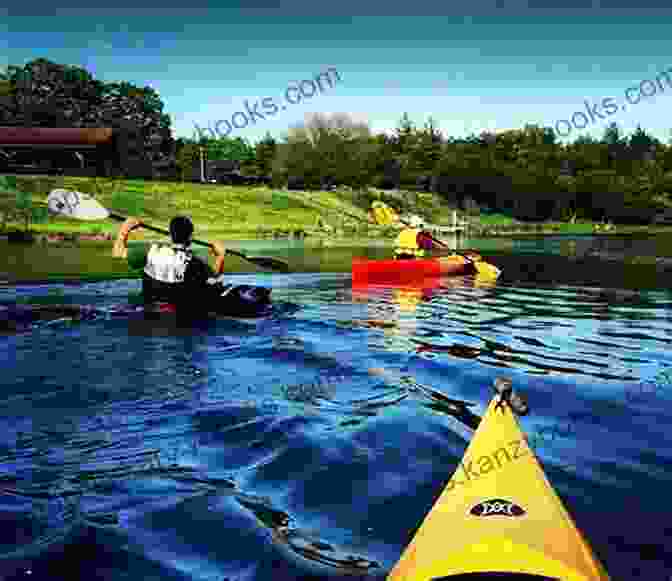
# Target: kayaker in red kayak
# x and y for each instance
(412, 242)
(171, 272)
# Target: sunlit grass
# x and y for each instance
(224, 211)
(495, 220)
(227, 212)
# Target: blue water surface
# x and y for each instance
(310, 445)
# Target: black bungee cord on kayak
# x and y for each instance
(516, 401)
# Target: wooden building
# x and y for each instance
(95, 151)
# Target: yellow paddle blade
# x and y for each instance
(383, 214)
(487, 281)
(75, 205)
(486, 270)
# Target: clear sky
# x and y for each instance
(483, 66)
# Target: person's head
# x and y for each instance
(181, 230)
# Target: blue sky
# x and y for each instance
(488, 66)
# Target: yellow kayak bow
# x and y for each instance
(498, 518)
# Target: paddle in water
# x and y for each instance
(82, 206)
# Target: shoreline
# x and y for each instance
(256, 212)
(659, 266)
(70, 235)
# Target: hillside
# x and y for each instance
(240, 212)
(229, 212)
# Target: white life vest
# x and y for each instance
(168, 263)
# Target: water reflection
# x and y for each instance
(523, 328)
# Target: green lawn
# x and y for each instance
(216, 210)
(495, 220)
(230, 212)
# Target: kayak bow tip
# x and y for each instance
(516, 400)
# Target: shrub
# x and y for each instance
(296, 183)
(18, 204)
(131, 203)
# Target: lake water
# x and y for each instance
(268, 450)
(94, 260)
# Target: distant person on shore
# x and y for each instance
(172, 275)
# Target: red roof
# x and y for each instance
(54, 135)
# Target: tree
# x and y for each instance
(265, 152)
(16, 203)
(326, 149)
(426, 150)
(227, 148)
(46, 94)
(612, 135)
(187, 157)
(296, 161)
(404, 133)
(642, 146)
(585, 140)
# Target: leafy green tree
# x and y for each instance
(227, 148)
(187, 157)
(17, 204)
(425, 151)
(642, 146)
(404, 134)
(612, 135)
(326, 149)
(265, 152)
(585, 140)
(46, 94)
(405, 139)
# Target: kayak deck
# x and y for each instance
(365, 271)
(498, 515)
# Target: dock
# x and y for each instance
(454, 228)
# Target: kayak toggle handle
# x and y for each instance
(516, 401)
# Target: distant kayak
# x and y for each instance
(404, 272)
(365, 271)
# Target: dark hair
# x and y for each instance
(181, 229)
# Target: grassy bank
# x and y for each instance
(223, 212)
(229, 212)
(501, 225)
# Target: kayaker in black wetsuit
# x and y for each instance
(171, 272)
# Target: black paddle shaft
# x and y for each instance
(405, 224)
(160, 230)
(429, 235)
(454, 250)
(269, 262)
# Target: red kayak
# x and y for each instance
(403, 272)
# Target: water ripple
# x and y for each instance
(278, 450)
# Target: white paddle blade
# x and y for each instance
(75, 205)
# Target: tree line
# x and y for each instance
(525, 173)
